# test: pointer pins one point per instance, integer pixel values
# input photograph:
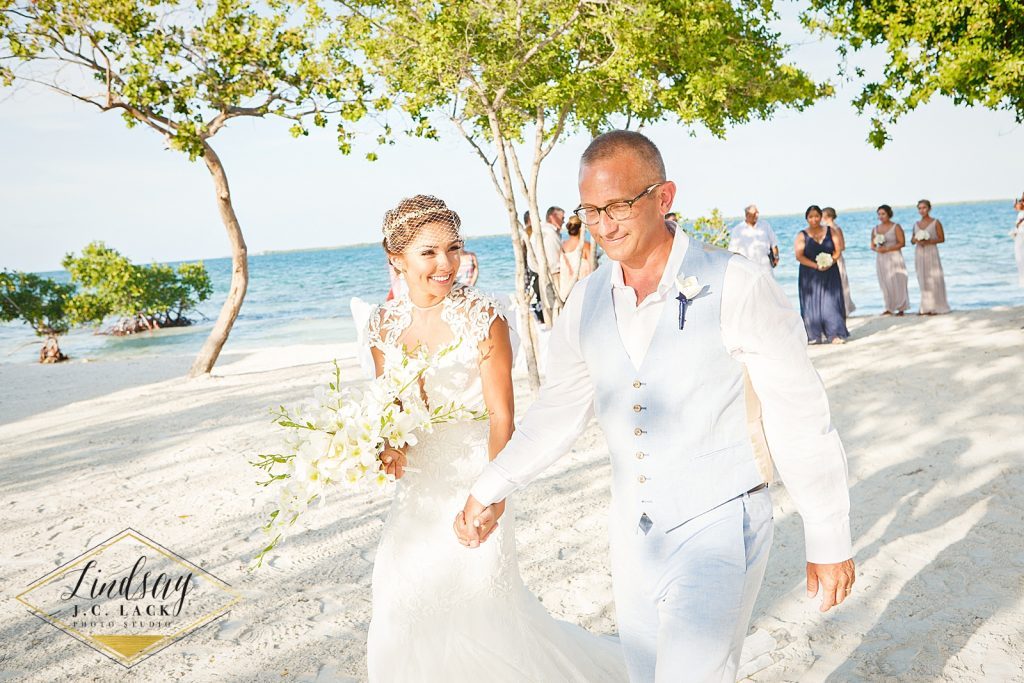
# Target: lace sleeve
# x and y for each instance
(477, 313)
(373, 338)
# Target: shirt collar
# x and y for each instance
(680, 243)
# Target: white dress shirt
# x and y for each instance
(753, 241)
(761, 330)
(552, 245)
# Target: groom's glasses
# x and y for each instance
(618, 211)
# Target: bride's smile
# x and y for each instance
(429, 263)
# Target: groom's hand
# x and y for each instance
(476, 521)
(835, 581)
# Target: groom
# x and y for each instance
(663, 360)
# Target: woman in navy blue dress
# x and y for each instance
(821, 288)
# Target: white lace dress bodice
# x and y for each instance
(442, 611)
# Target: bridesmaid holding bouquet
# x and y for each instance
(887, 241)
(818, 249)
(928, 234)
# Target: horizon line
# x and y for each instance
(353, 245)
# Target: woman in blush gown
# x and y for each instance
(928, 234)
(441, 611)
(828, 218)
(821, 289)
(887, 241)
(575, 258)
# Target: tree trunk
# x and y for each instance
(553, 295)
(51, 353)
(207, 357)
(526, 333)
(549, 300)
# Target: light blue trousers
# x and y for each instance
(683, 599)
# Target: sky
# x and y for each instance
(70, 174)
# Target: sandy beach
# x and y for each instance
(930, 410)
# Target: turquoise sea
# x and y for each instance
(302, 297)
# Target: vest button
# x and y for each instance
(637, 408)
(638, 431)
(641, 479)
(640, 455)
(637, 384)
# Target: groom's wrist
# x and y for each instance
(490, 487)
(828, 542)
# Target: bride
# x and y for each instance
(442, 611)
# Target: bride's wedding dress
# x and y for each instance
(442, 611)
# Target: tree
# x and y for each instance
(711, 229)
(145, 297)
(185, 69)
(513, 76)
(970, 51)
(40, 303)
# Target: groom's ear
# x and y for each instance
(666, 196)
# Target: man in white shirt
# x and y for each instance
(686, 571)
(548, 237)
(755, 239)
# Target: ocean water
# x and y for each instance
(302, 297)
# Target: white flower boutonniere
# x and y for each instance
(689, 288)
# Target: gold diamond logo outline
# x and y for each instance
(164, 640)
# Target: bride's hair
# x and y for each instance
(403, 223)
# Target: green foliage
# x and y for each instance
(111, 285)
(500, 66)
(37, 301)
(969, 50)
(709, 229)
(183, 67)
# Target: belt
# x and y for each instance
(757, 488)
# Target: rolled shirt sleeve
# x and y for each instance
(764, 332)
(554, 421)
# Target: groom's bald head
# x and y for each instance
(626, 142)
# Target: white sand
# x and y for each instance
(931, 411)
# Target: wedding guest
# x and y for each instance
(671, 216)
(469, 268)
(549, 238)
(818, 249)
(887, 241)
(532, 284)
(1018, 240)
(755, 239)
(828, 218)
(575, 257)
(928, 234)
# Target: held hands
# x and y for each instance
(833, 581)
(476, 522)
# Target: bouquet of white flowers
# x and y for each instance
(335, 438)
(879, 240)
(824, 260)
(922, 235)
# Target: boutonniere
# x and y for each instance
(689, 288)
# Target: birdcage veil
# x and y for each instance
(404, 223)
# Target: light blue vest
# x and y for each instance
(677, 427)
